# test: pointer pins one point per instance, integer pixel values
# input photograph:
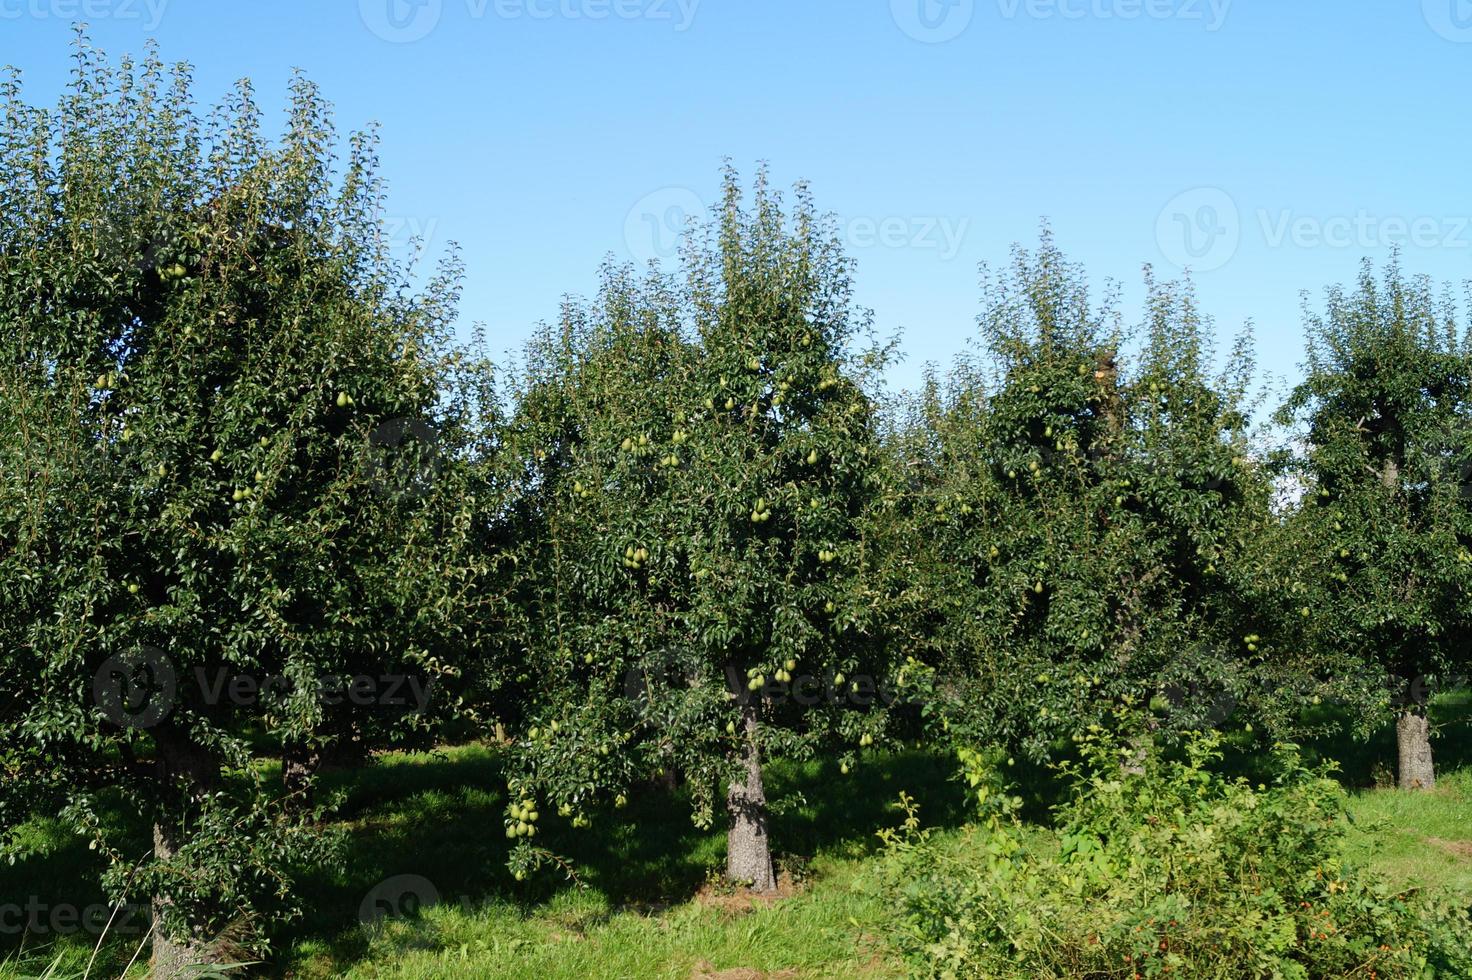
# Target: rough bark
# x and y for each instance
(181, 765)
(171, 957)
(1413, 737)
(748, 850)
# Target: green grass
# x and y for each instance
(645, 905)
(1418, 839)
(642, 906)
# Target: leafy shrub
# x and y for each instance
(1162, 867)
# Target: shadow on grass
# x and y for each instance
(52, 906)
(440, 818)
(1368, 762)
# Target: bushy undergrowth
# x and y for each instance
(1163, 867)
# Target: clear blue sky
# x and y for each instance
(1272, 143)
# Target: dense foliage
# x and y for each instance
(1167, 870)
(1094, 523)
(1383, 557)
(258, 505)
(702, 455)
(237, 499)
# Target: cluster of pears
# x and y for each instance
(579, 820)
(344, 400)
(524, 817)
(755, 679)
(826, 556)
(581, 491)
(761, 513)
(241, 493)
(635, 557)
(629, 443)
(1252, 641)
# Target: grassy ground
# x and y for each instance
(646, 905)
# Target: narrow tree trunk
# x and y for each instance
(179, 762)
(748, 851)
(1413, 736)
(299, 766)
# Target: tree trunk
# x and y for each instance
(172, 957)
(748, 851)
(1413, 736)
(179, 762)
(299, 765)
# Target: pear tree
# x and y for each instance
(704, 453)
(1381, 574)
(217, 545)
(1083, 513)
